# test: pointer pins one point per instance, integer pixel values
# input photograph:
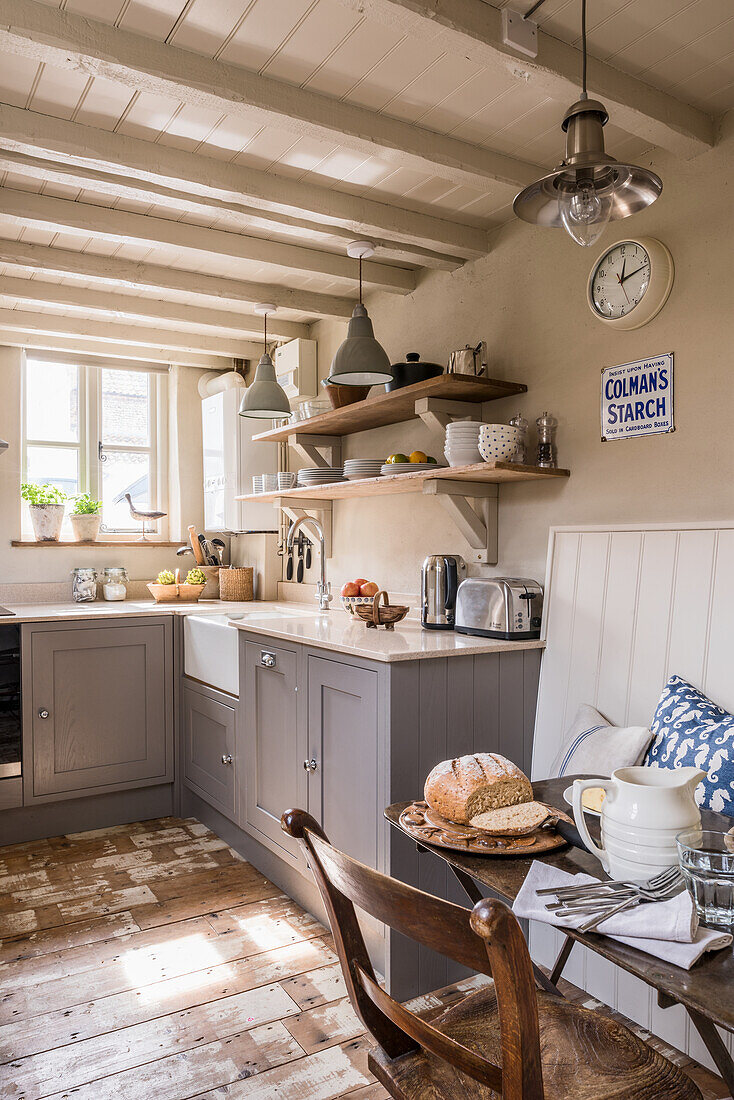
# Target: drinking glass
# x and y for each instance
(707, 865)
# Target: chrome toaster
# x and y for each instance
(499, 607)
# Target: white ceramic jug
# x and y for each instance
(643, 811)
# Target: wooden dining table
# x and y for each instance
(706, 991)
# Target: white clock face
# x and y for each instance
(621, 280)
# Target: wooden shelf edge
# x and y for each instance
(95, 545)
(497, 473)
(395, 407)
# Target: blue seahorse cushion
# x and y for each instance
(691, 731)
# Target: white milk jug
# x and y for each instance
(643, 811)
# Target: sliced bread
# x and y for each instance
(512, 820)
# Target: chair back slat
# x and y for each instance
(438, 924)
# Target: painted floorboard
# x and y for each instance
(150, 960)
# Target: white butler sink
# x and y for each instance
(211, 645)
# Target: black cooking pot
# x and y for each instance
(405, 374)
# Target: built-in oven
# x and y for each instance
(10, 720)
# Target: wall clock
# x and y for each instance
(630, 283)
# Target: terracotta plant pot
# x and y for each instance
(86, 527)
(47, 520)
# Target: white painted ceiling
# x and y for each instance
(684, 48)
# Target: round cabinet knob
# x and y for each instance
(227, 758)
(43, 713)
(310, 765)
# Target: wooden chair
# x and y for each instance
(508, 1039)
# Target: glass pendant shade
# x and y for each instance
(588, 188)
(360, 360)
(264, 399)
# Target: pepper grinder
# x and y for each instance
(546, 426)
(521, 454)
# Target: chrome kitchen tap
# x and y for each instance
(323, 588)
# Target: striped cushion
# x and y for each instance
(594, 747)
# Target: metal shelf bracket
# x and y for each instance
(473, 508)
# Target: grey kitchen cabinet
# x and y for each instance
(343, 755)
(273, 742)
(208, 747)
(97, 707)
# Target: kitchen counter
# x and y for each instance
(333, 630)
(336, 631)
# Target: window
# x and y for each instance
(97, 430)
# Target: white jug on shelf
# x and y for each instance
(643, 811)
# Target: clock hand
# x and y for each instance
(619, 280)
(626, 277)
(624, 264)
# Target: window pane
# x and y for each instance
(126, 408)
(54, 466)
(124, 473)
(52, 401)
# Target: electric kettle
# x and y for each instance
(440, 578)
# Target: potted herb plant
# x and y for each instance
(86, 516)
(46, 505)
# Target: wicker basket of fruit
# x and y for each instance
(168, 586)
(386, 614)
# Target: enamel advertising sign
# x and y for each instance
(637, 398)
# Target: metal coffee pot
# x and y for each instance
(468, 360)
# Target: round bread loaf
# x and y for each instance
(461, 789)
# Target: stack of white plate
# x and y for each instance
(355, 469)
(408, 468)
(315, 475)
(462, 443)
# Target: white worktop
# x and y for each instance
(333, 630)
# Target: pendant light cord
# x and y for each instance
(583, 50)
(360, 280)
(265, 333)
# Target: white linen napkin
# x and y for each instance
(667, 929)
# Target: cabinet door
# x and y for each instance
(343, 741)
(275, 778)
(209, 749)
(97, 705)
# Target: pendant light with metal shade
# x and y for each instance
(360, 360)
(264, 399)
(588, 188)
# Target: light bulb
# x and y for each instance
(585, 212)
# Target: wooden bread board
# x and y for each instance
(423, 824)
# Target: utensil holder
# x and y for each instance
(236, 583)
(211, 588)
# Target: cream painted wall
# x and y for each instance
(47, 565)
(527, 299)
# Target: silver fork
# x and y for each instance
(659, 880)
(632, 902)
(659, 889)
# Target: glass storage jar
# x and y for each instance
(114, 581)
(84, 585)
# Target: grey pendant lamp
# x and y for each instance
(360, 360)
(264, 399)
(588, 188)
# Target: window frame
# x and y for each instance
(90, 448)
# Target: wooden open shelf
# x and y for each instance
(483, 473)
(149, 544)
(392, 408)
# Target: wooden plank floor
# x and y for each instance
(150, 960)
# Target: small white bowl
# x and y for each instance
(498, 445)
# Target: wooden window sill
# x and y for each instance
(148, 545)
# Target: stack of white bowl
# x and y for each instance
(498, 442)
(355, 469)
(462, 443)
(320, 475)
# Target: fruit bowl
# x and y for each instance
(350, 603)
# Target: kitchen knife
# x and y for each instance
(299, 569)
(289, 566)
(570, 834)
(308, 554)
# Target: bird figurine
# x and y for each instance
(144, 517)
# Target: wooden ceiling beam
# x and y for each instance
(117, 272)
(143, 335)
(83, 345)
(125, 306)
(64, 40)
(113, 224)
(473, 28)
(244, 216)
